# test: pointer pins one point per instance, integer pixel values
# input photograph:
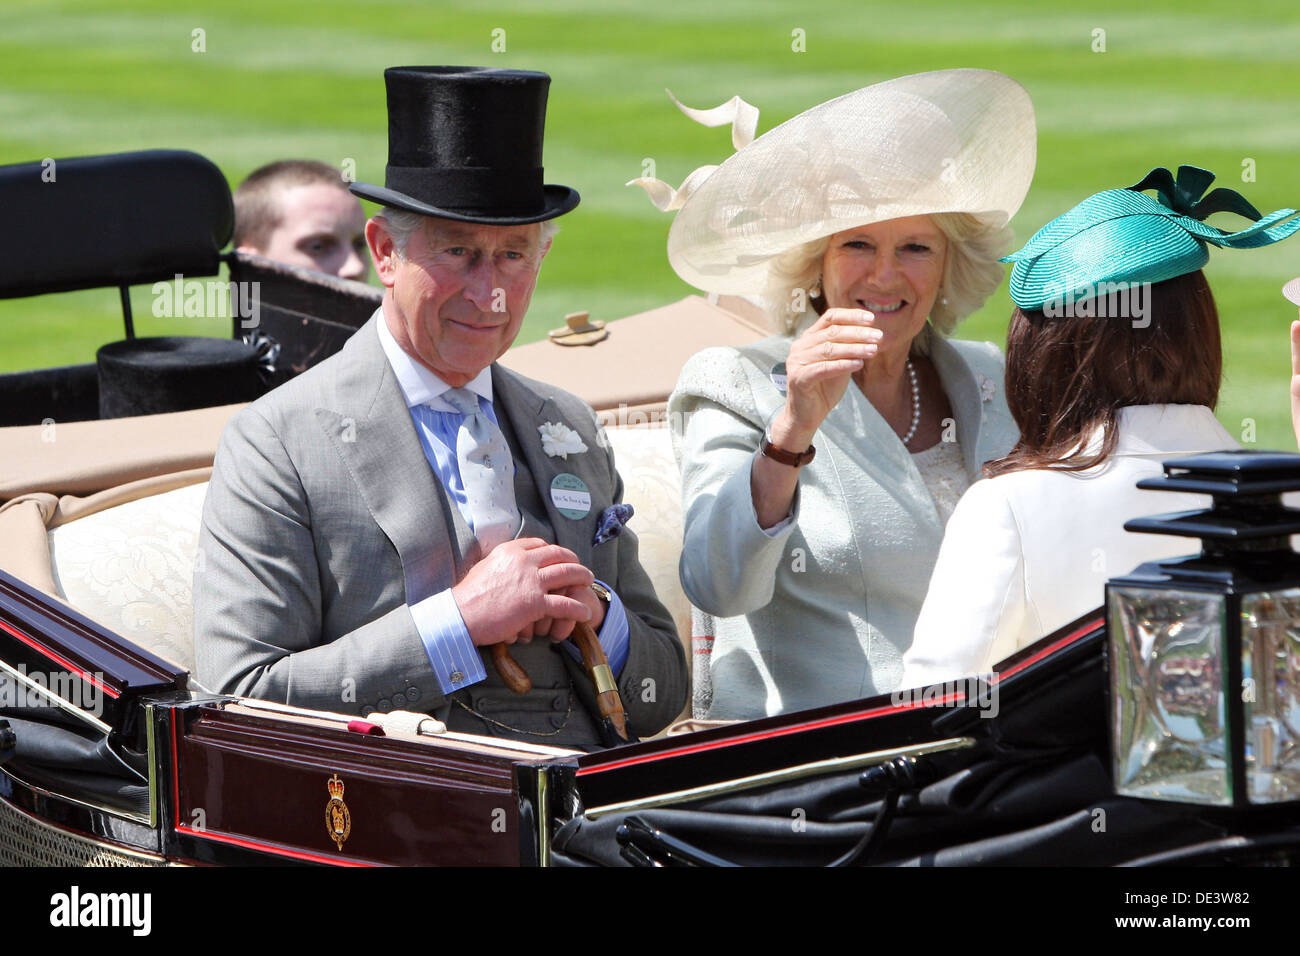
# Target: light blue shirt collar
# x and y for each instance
(419, 385)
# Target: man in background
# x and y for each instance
(299, 211)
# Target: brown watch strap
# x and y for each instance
(794, 459)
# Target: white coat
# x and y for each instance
(1028, 552)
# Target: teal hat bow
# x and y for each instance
(1125, 236)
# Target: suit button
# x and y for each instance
(557, 720)
(412, 694)
(559, 702)
(367, 710)
(384, 705)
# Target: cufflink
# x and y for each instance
(455, 677)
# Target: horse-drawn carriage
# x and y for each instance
(113, 755)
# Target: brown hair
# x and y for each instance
(257, 202)
(1068, 375)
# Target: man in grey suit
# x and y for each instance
(374, 526)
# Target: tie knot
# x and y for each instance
(464, 401)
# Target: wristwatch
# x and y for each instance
(602, 592)
(795, 459)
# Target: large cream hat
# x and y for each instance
(947, 141)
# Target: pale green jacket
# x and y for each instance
(823, 610)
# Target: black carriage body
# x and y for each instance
(221, 781)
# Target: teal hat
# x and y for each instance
(1125, 236)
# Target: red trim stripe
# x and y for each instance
(61, 661)
(750, 738)
(833, 721)
(270, 847)
(1053, 648)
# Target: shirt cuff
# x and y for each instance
(615, 635)
(455, 659)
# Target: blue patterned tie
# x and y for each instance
(487, 471)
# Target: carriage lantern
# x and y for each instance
(1204, 651)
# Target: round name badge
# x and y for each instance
(778, 376)
(570, 496)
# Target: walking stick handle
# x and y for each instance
(514, 676)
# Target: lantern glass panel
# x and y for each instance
(1169, 724)
(1270, 668)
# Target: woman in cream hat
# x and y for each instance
(819, 465)
(1113, 366)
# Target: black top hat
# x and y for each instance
(465, 143)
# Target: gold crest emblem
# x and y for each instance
(338, 821)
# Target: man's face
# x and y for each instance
(321, 227)
(458, 296)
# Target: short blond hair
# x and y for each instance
(257, 200)
(971, 272)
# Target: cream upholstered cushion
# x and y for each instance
(653, 486)
(130, 568)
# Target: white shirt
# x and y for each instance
(438, 620)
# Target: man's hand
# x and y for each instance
(560, 630)
(818, 370)
(519, 584)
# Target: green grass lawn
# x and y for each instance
(1182, 81)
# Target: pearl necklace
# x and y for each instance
(916, 404)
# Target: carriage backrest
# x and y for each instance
(115, 220)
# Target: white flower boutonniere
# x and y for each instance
(987, 388)
(559, 440)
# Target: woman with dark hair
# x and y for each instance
(1070, 376)
(1113, 366)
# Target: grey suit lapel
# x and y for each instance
(525, 410)
(467, 551)
(371, 428)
